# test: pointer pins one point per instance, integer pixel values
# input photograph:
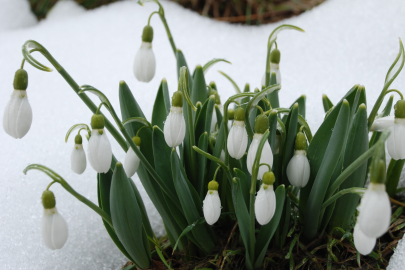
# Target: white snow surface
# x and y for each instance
(346, 42)
(15, 14)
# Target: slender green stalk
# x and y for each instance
(355, 190)
(57, 178)
(89, 103)
(396, 91)
(301, 120)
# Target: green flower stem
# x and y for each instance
(150, 16)
(356, 164)
(355, 190)
(169, 34)
(255, 171)
(131, 143)
(38, 47)
(57, 178)
(396, 91)
(77, 126)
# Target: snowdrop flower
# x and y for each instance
(395, 141)
(17, 117)
(145, 63)
(54, 228)
(298, 168)
(374, 211)
(99, 151)
(238, 138)
(261, 125)
(265, 203)
(363, 243)
(132, 160)
(78, 157)
(212, 203)
(175, 127)
(217, 104)
(274, 66)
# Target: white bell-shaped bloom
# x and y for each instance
(395, 141)
(145, 63)
(54, 229)
(214, 117)
(175, 127)
(266, 157)
(265, 204)
(237, 140)
(274, 68)
(212, 207)
(78, 159)
(131, 162)
(99, 151)
(17, 117)
(382, 123)
(374, 211)
(362, 242)
(298, 169)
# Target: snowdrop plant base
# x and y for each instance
(212, 186)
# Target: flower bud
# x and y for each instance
(17, 116)
(266, 157)
(99, 150)
(298, 169)
(212, 203)
(54, 228)
(265, 204)
(147, 34)
(174, 128)
(78, 161)
(97, 121)
(237, 139)
(145, 63)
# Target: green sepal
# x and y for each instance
(177, 99)
(393, 175)
(213, 185)
(78, 139)
(48, 199)
(275, 56)
(147, 34)
(377, 175)
(300, 141)
(400, 109)
(97, 121)
(239, 114)
(20, 80)
(127, 218)
(268, 178)
(137, 140)
(261, 124)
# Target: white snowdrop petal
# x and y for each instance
(274, 68)
(237, 140)
(375, 211)
(131, 162)
(54, 229)
(265, 205)
(99, 151)
(174, 128)
(395, 141)
(266, 157)
(145, 63)
(363, 243)
(212, 207)
(17, 116)
(92, 149)
(298, 169)
(78, 159)
(382, 123)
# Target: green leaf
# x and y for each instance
(188, 229)
(161, 107)
(393, 175)
(327, 104)
(127, 218)
(273, 129)
(328, 165)
(199, 89)
(191, 210)
(212, 62)
(245, 185)
(202, 164)
(140, 120)
(237, 89)
(203, 121)
(219, 116)
(356, 145)
(289, 145)
(267, 231)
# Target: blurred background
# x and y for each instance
(234, 11)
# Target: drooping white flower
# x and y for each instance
(132, 160)
(298, 169)
(54, 229)
(99, 151)
(174, 128)
(212, 204)
(78, 159)
(237, 140)
(374, 211)
(274, 68)
(362, 242)
(17, 117)
(395, 141)
(266, 157)
(382, 123)
(265, 204)
(145, 63)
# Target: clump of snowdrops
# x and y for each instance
(246, 160)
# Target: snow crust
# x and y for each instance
(346, 42)
(15, 14)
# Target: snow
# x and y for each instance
(346, 42)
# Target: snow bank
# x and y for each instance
(346, 42)
(15, 14)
